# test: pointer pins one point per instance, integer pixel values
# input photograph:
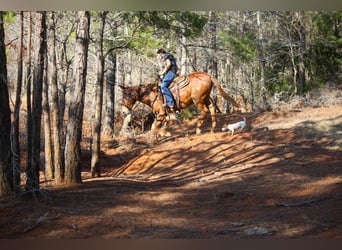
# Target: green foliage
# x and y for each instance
(314, 84)
(278, 72)
(243, 46)
(188, 113)
(326, 52)
(277, 80)
(146, 42)
(192, 22)
(156, 19)
(9, 17)
(155, 29)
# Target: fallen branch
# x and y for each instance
(304, 203)
(308, 202)
(38, 222)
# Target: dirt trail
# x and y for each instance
(280, 178)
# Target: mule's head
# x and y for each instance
(130, 95)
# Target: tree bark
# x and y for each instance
(28, 95)
(32, 172)
(213, 43)
(75, 117)
(302, 51)
(48, 159)
(57, 127)
(181, 50)
(95, 157)
(212, 54)
(15, 126)
(262, 62)
(108, 125)
(6, 173)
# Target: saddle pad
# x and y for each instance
(181, 81)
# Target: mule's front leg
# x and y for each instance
(158, 122)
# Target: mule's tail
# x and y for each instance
(223, 93)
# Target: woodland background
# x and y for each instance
(60, 70)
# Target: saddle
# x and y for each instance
(179, 82)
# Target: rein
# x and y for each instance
(154, 100)
(142, 93)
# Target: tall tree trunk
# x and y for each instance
(121, 75)
(63, 86)
(181, 55)
(28, 95)
(95, 157)
(6, 173)
(302, 51)
(213, 43)
(48, 163)
(262, 63)
(212, 54)
(15, 128)
(57, 126)
(74, 129)
(32, 172)
(242, 25)
(128, 67)
(127, 62)
(294, 66)
(181, 50)
(63, 82)
(108, 125)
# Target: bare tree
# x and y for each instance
(15, 125)
(64, 27)
(28, 94)
(48, 164)
(75, 117)
(213, 46)
(108, 124)
(181, 50)
(32, 171)
(95, 157)
(54, 95)
(213, 43)
(5, 120)
(302, 50)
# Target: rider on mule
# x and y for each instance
(167, 75)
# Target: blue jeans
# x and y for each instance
(165, 88)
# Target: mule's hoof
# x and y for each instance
(164, 134)
(198, 131)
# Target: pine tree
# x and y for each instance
(6, 172)
(75, 117)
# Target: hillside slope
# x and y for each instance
(280, 178)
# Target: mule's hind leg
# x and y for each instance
(212, 110)
(204, 111)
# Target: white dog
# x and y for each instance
(232, 127)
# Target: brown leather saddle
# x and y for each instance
(179, 82)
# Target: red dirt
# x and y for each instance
(280, 178)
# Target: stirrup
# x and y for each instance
(171, 108)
